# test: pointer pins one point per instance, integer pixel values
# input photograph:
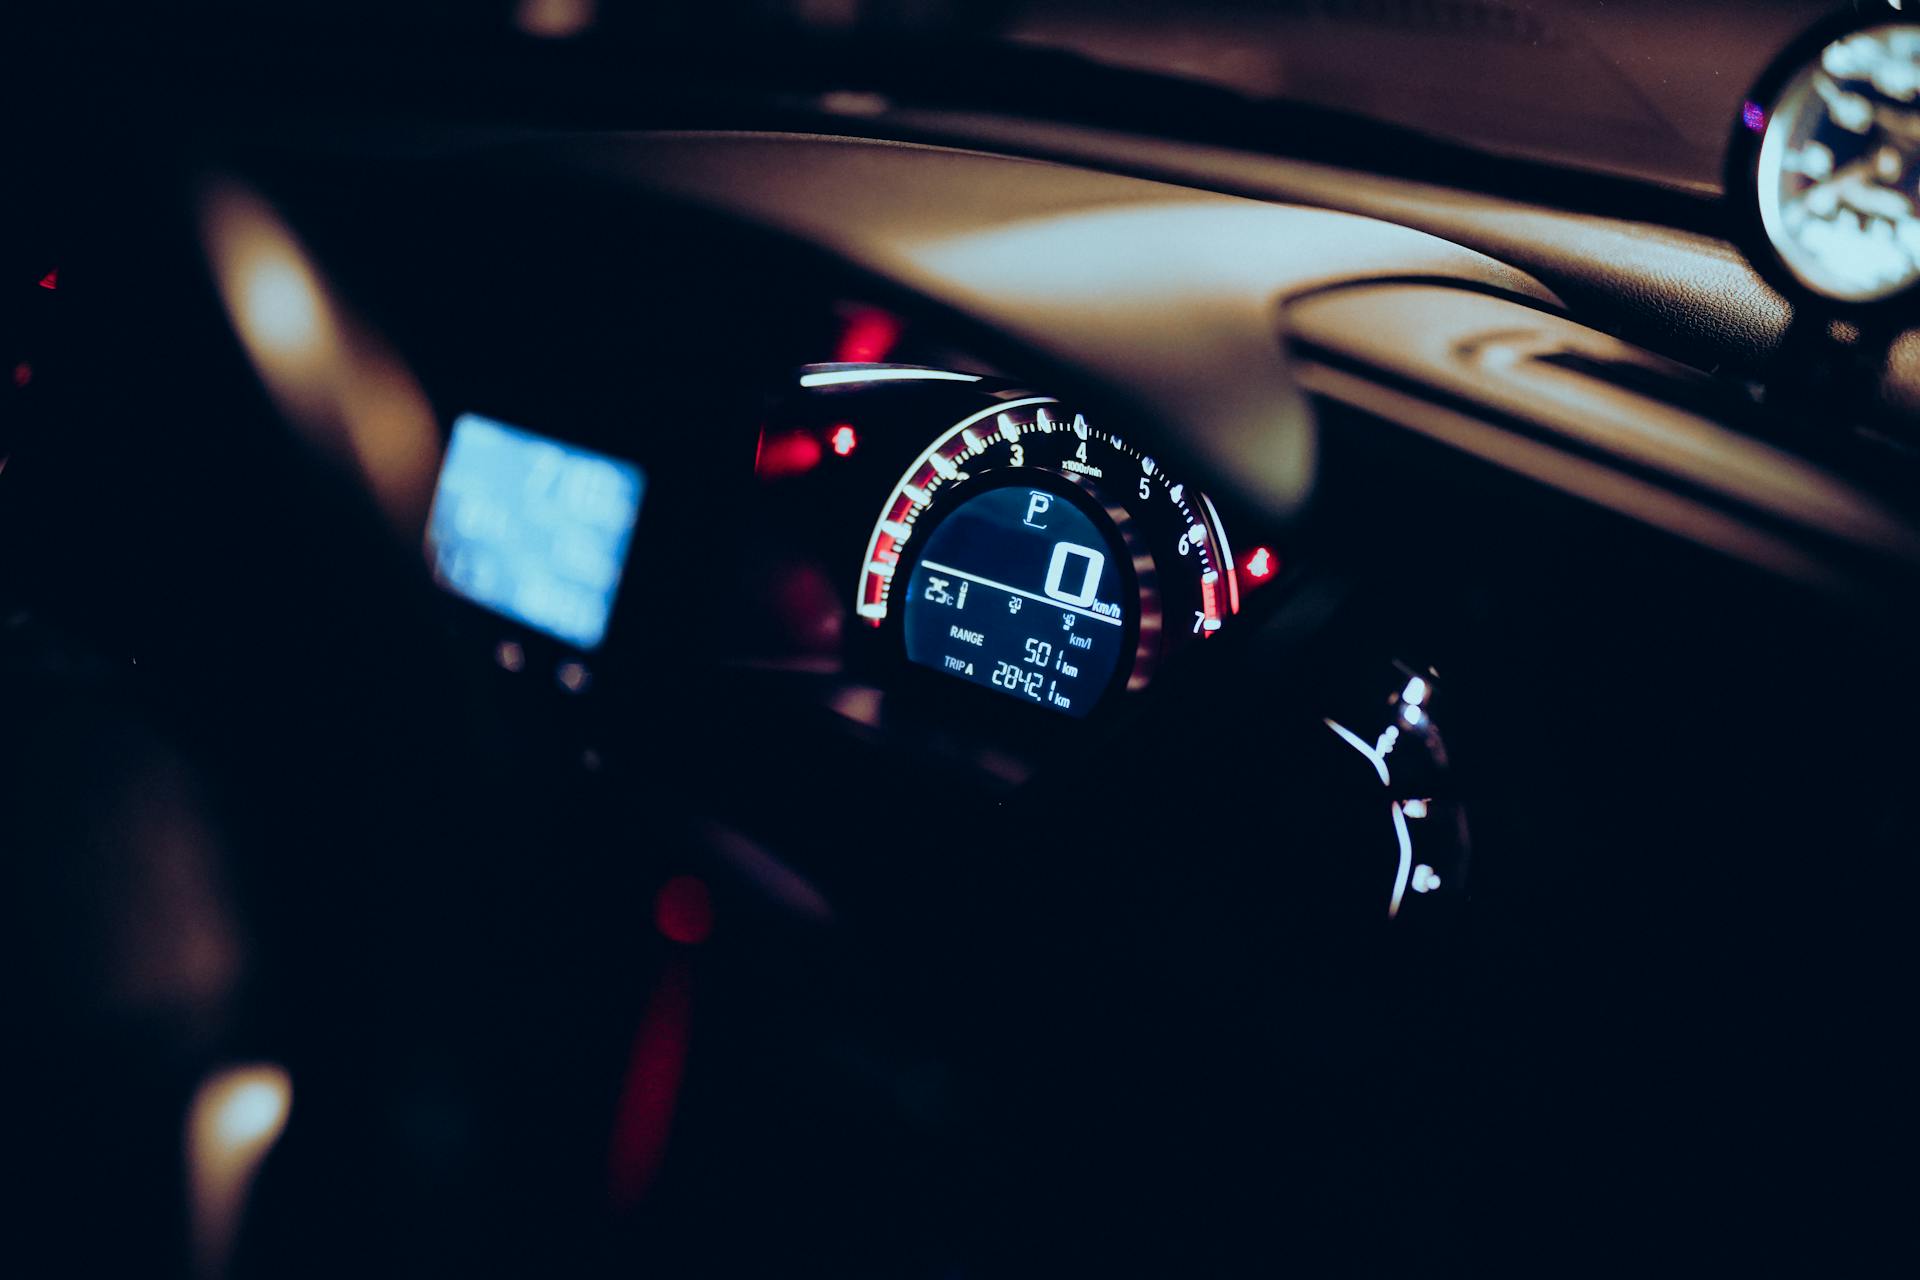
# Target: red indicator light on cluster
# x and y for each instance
(787, 453)
(683, 910)
(843, 439)
(51, 280)
(868, 337)
(1262, 564)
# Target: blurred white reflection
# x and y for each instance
(1206, 270)
(282, 305)
(332, 377)
(235, 1118)
(554, 19)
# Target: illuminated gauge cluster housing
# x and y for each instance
(1178, 581)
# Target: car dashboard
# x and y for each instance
(985, 715)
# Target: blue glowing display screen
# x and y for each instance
(534, 529)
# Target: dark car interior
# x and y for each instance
(906, 639)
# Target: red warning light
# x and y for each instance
(786, 453)
(51, 280)
(643, 1124)
(1261, 564)
(868, 337)
(843, 439)
(683, 911)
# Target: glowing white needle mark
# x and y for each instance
(848, 377)
(1375, 756)
(1406, 860)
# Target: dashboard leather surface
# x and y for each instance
(1506, 363)
(1691, 296)
(1162, 295)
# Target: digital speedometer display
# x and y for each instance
(1018, 590)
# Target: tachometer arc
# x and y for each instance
(912, 496)
(943, 463)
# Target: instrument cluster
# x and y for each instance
(949, 522)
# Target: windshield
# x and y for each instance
(1647, 89)
(1642, 89)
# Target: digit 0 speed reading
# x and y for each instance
(1031, 553)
